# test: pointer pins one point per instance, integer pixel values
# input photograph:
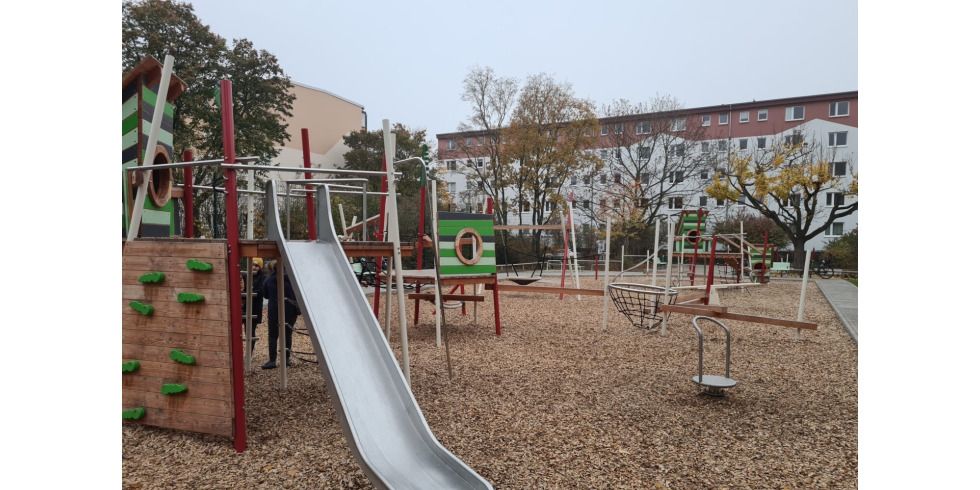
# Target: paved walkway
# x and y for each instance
(843, 297)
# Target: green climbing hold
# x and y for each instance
(190, 298)
(173, 388)
(131, 366)
(200, 266)
(142, 308)
(134, 413)
(182, 357)
(151, 278)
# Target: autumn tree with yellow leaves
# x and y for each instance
(793, 184)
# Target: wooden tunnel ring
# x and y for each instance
(477, 242)
(161, 182)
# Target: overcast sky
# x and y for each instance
(405, 61)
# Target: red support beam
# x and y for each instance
(380, 236)
(234, 277)
(711, 270)
(310, 218)
(187, 156)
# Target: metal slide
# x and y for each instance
(384, 426)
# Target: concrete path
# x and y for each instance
(843, 297)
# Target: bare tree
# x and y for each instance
(491, 99)
(549, 132)
(793, 183)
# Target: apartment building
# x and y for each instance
(710, 134)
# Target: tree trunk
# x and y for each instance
(799, 252)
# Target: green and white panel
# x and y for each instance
(450, 225)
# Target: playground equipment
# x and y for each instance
(641, 302)
(713, 384)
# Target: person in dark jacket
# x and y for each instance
(258, 277)
(269, 292)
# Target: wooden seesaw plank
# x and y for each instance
(548, 290)
(696, 310)
(447, 297)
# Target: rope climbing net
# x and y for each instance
(641, 302)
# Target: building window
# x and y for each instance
(451, 145)
(618, 128)
(525, 206)
(762, 115)
(604, 130)
(838, 138)
(838, 169)
(602, 204)
(743, 144)
(452, 187)
(706, 120)
(675, 203)
(574, 179)
(722, 145)
(794, 139)
(616, 203)
(586, 179)
(835, 229)
(719, 203)
(470, 141)
(618, 178)
(743, 116)
(451, 165)
(645, 178)
(704, 174)
(676, 177)
(602, 179)
(679, 124)
(618, 154)
(723, 118)
(677, 150)
(586, 204)
(840, 109)
(644, 152)
(643, 127)
(835, 199)
(479, 163)
(761, 143)
(644, 202)
(794, 113)
(705, 146)
(703, 201)
(604, 154)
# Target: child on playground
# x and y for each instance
(269, 292)
(258, 276)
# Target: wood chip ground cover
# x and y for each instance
(557, 403)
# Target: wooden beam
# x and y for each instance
(526, 227)
(447, 297)
(690, 299)
(548, 290)
(701, 310)
(723, 309)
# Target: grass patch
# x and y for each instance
(853, 280)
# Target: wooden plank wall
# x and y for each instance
(200, 330)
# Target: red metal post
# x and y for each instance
(187, 156)
(418, 244)
(595, 265)
(711, 270)
(234, 276)
(697, 244)
(310, 218)
(496, 304)
(380, 236)
(489, 205)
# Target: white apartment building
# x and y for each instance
(827, 120)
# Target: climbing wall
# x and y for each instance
(176, 353)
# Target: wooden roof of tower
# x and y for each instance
(153, 68)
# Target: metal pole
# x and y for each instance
(564, 243)
(364, 212)
(234, 275)
(571, 224)
(806, 278)
(605, 278)
(670, 258)
(188, 196)
(741, 251)
(435, 261)
(250, 209)
(343, 219)
(248, 316)
(622, 258)
(394, 236)
(151, 145)
(656, 250)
